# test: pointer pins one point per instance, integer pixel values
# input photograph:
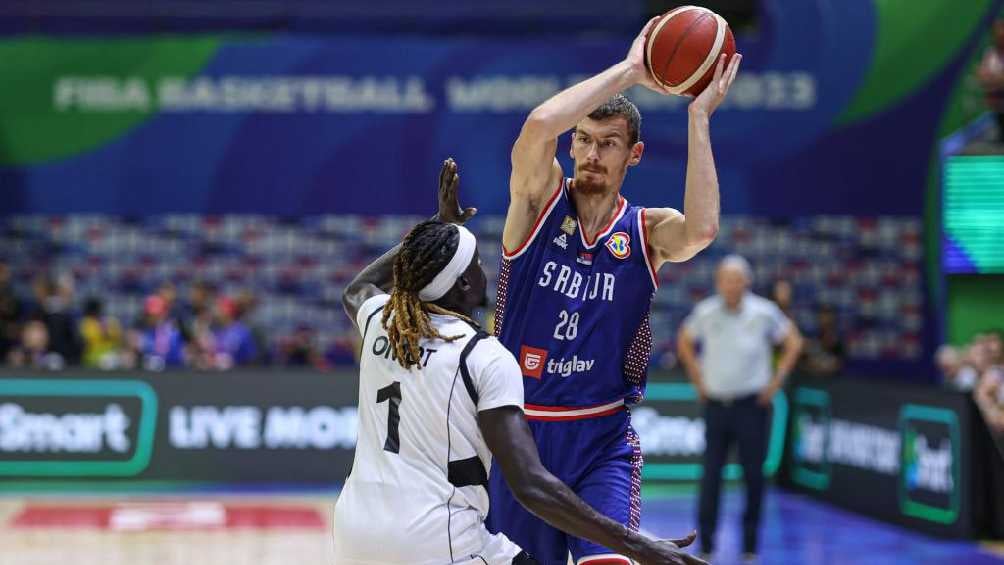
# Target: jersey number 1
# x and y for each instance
(392, 394)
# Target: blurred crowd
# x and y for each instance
(990, 74)
(978, 367)
(207, 330)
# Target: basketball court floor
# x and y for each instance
(238, 529)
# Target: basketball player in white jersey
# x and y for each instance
(437, 398)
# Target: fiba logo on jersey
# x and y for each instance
(620, 245)
(532, 361)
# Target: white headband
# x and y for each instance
(444, 281)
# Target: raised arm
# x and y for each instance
(535, 170)
(378, 276)
(678, 237)
(509, 438)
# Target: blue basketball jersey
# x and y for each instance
(575, 311)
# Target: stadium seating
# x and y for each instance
(869, 269)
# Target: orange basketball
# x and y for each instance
(683, 47)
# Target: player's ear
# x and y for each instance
(636, 152)
(464, 283)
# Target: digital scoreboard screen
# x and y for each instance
(973, 214)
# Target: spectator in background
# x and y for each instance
(197, 325)
(34, 351)
(994, 345)
(736, 382)
(342, 351)
(53, 306)
(781, 293)
(169, 293)
(989, 396)
(247, 303)
(824, 355)
(198, 313)
(10, 314)
(233, 343)
(975, 362)
(161, 345)
(299, 350)
(949, 361)
(991, 75)
(102, 337)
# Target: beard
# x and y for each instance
(586, 183)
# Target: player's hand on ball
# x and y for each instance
(449, 202)
(707, 102)
(636, 61)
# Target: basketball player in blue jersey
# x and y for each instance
(577, 276)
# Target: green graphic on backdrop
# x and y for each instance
(939, 471)
(810, 438)
(902, 62)
(685, 392)
(973, 204)
(32, 127)
(106, 389)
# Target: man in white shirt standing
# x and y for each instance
(736, 382)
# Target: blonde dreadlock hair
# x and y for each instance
(426, 250)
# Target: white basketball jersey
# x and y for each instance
(417, 493)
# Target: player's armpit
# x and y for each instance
(669, 240)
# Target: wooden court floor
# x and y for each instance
(165, 544)
(296, 530)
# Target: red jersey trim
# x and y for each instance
(548, 208)
(644, 246)
(565, 413)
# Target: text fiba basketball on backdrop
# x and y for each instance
(772, 90)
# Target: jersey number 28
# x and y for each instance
(568, 326)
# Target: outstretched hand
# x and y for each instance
(709, 100)
(670, 551)
(449, 203)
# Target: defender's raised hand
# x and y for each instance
(449, 202)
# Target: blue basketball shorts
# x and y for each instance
(599, 458)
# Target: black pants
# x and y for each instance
(1000, 127)
(743, 422)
